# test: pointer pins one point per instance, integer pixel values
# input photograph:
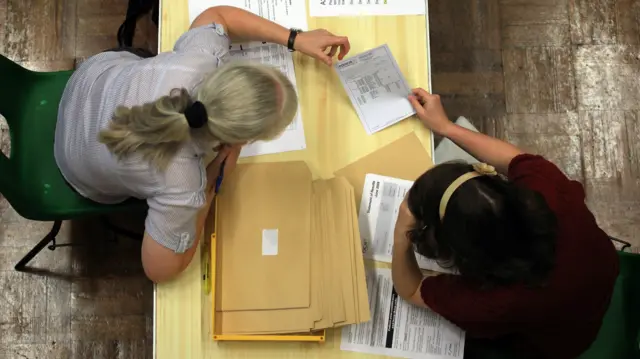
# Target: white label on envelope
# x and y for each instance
(269, 242)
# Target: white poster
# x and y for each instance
(318, 8)
(288, 13)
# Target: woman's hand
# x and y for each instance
(315, 44)
(430, 111)
(232, 158)
(228, 154)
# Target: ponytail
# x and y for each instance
(238, 103)
(156, 130)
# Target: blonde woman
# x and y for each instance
(130, 125)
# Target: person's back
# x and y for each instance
(139, 127)
(535, 272)
(121, 79)
(567, 314)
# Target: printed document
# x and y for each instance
(366, 7)
(376, 87)
(400, 329)
(292, 139)
(379, 208)
(288, 13)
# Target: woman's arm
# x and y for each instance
(485, 148)
(405, 272)
(245, 26)
(162, 264)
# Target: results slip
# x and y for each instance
(376, 87)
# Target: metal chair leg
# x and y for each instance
(121, 231)
(625, 244)
(50, 237)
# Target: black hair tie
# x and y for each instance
(196, 115)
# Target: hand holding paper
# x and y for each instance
(429, 110)
(376, 87)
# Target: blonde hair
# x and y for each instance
(244, 101)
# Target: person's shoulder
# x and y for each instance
(105, 61)
(186, 175)
(536, 173)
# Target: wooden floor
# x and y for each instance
(557, 77)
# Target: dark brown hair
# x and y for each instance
(494, 232)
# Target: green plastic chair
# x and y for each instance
(619, 336)
(29, 178)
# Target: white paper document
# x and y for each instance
(400, 329)
(292, 139)
(288, 13)
(366, 7)
(381, 199)
(376, 87)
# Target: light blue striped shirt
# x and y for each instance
(112, 79)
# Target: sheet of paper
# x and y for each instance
(400, 329)
(292, 139)
(376, 87)
(318, 8)
(381, 199)
(288, 13)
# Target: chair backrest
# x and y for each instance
(619, 336)
(29, 102)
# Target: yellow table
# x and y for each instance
(335, 137)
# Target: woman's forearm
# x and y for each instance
(485, 148)
(405, 272)
(245, 26)
(200, 222)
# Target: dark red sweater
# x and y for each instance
(562, 319)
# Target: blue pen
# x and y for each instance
(220, 176)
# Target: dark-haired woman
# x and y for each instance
(535, 272)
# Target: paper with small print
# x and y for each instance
(292, 139)
(376, 87)
(400, 329)
(288, 13)
(379, 208)
(318, 8)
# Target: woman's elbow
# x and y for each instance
(161, 264)
(161, 276)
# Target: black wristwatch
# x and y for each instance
(292, 39)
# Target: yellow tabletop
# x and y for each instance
(335, 137)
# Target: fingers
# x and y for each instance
(234, 155)
(344, 48)
(223, 153)
(421, 93)
(337, 42)
(416, 105)
(333, 51)
(324, 58)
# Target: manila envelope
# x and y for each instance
(281, 321)
(264, 219)
(405, 158)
